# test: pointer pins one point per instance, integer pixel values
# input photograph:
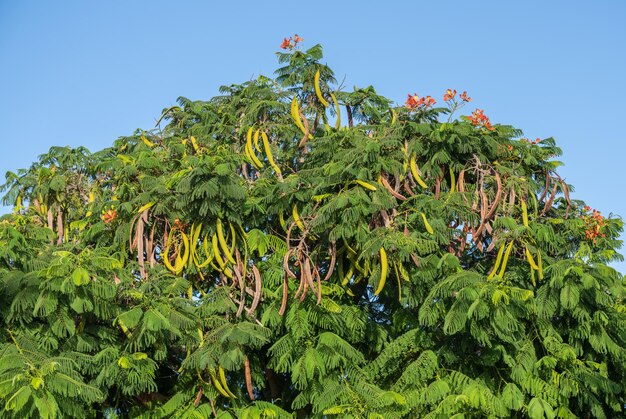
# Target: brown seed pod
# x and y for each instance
(548, 205)
(283, 304)
(387, 186)
(248, 376)
(258, 288)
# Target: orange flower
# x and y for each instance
(286, 44)
(464, 97)
(109, 216)
(593, 224)
(449, 95)
(291, 42)
(479, 118)
(413, 101)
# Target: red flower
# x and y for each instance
(479, 118)
(594, 224)
(291, 42)
(109, 216)
(286, 43)
(413, 101)
(464, 97)
(449, 95)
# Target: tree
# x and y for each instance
(253, 256)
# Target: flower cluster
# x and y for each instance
(109, 216)
(291, 43)
(535, 141)
(414, 102)
(479, 119)
(450, 94)
(594, 223)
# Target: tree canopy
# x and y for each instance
(292, 249)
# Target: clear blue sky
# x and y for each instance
(83, 73)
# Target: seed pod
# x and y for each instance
(318, 91)
(146, 141)
(216, 253)
(250, 151)
(383, 271)
(415, 173)
(452, 181)
(394, 116)
(268, 152)
(497, 264)
(392, 191)
(248, 376)
(222, 241)
(194, 144)
(427, 224)
(366, 185)
(295, 114)
(524, 213)
(257, 147)
(296, 217)
(217, 384)
(346, 278)
(224, 383)
(529, 257)
(505, 260)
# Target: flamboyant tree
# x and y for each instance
(290, 250)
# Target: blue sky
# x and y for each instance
(84, 73)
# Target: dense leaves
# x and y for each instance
(287, 250)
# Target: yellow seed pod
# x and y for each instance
(384, 268)
(318, 91)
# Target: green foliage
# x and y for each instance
(249, 258)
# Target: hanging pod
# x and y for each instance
(222, 241)
(295, 114)
(384, 267)
(505, 259)
(268, 153)
(318, 91)
(415, 172)
(498, 260)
